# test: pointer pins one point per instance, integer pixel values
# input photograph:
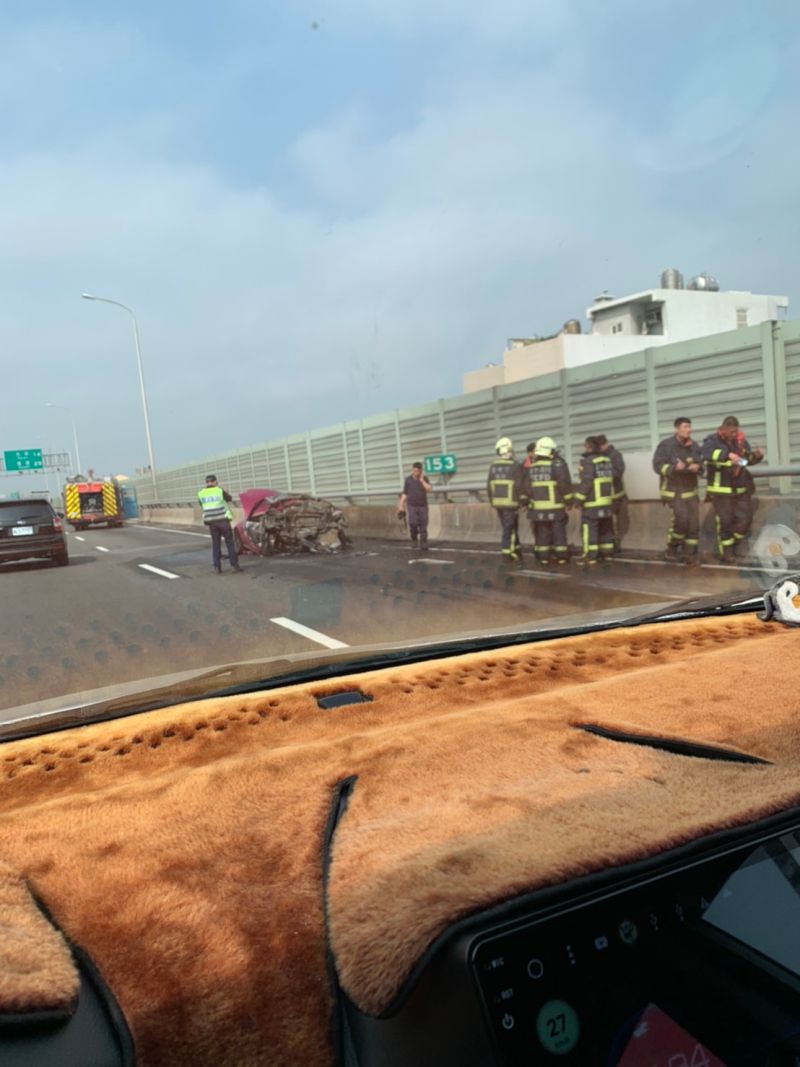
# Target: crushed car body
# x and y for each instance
(276, 522)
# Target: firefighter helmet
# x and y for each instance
(504, 447)
(545, 447)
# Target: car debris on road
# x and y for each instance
(276, 522)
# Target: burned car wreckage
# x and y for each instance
(276, 522)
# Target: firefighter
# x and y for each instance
(620, 498)
(745, 493)
(727, 453)
(549, 492)
(595, 495)
(505, 486)
(678, 461)
(217, 517)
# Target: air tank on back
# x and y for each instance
(704, 282)
(572, 326)
(671, 279)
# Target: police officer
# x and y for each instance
(678, 461)
(620, 497)
(595, 495)
(549, 492)
(727, 453)
(217, 517)
(505, 486)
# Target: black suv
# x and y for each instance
(30, 528)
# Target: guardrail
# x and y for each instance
(475, 492)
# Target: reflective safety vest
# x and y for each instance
(504, 483)
(550, 488)
(596, 489)
(212, 501)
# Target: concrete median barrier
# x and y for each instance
(645, 525)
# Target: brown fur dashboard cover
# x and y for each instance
(183, 848)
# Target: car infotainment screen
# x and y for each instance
(698, 967)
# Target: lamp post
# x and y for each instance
(117, 303)
(74, 433)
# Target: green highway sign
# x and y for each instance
(445, 464)
(24, 459)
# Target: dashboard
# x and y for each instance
(695, 963)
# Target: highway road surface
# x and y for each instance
(144, 601)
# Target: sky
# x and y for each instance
(325, 210)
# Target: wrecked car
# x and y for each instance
(276, 522)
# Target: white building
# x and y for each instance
(632, 323)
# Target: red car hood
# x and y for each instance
(256, 501)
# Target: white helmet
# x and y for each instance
(545, 447)
(504, 447)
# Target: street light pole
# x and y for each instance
(117, 303)
(74, 434)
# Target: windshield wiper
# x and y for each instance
(737, 602)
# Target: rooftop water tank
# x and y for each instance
(671, 279)
(704, 281)
(572, 326)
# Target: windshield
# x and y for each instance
(13, 513)
(358, 328)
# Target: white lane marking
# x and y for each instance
(540, 574)
(437, 562)
(169, 529)
(306, 631)
(77, 538)
(157, 570)
(101, 549)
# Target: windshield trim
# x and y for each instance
(335, 664)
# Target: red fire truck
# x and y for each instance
(93, 503)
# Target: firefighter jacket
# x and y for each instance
(506, 483)
(595, 489)
(549, 488)
(212, 501)
(677, 484)
(724, 475)
(618, 467)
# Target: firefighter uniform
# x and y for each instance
(549, 492)
(595, 495)
(619, 502)
(727, 489)
(505, 486)
(679, 490)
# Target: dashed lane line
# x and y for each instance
(157, 570)
(169, 529)
(436, 562)
(77, 538)
(306, 631)
(101, 549)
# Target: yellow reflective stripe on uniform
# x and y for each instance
(506, 484)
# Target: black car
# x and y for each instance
(31, 529)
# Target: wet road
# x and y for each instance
(144, 601)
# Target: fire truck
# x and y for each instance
(95, 503)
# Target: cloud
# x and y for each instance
(386, 259)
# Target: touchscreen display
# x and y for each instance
(698, 967)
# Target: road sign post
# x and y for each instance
(442, 464)
(23, 459)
